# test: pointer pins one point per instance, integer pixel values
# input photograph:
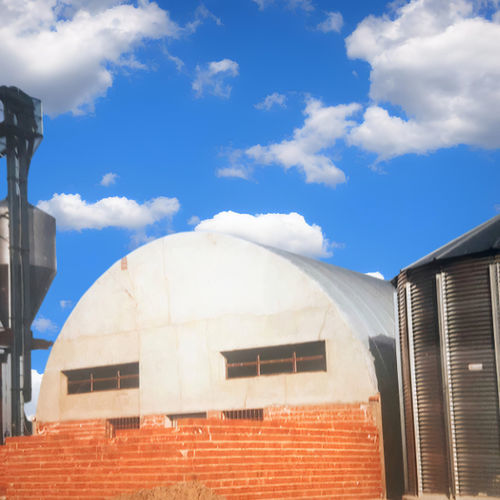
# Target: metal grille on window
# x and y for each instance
(123, 423)
(273, 360)
(103, 378)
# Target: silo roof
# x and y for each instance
(482, 239)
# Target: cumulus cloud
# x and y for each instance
(274, 99)
(65, 52)
(73, 213)
(211, 79)
(108, 179)
(307, 150)
(437, 62)
(376, 274)
(44, 325)
(30, 408)
(333, 22)
(286, 231)
(64, 304)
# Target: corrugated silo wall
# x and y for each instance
(326, 451)
(449, 366)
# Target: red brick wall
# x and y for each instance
(329, 451)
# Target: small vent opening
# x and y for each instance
(122, 423)
(180, 416)
(249, 414)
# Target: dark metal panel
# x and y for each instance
(433, 460)
(445, 359)
(495, 304)
(472, 376)
(481, 239)
(407, 407)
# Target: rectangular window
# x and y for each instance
(290, 358)
(103, 378)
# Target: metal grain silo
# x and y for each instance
(449, 362)
(42, 269)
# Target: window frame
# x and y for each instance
(85, 381)
(294, 356)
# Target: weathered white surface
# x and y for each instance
(185, 298)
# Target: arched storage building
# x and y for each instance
(185, 310)
(224, 331)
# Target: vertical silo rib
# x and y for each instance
(473, 376)
(495, 310)
(428, 386)
(414, 397)
(447, 390)
(399, 366)
(406, 401)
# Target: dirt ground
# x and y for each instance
(192, 490)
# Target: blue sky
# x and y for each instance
(362, 133)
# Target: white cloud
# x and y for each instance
(65, 304)
(236, 172)
(193, 220)
(237, 167)
(41, 44)
(307, 150)
(376, 274)
(333, 22)
(179, 63)
(211, 79)
(200, 14)
(73, 213)
(30, 408)
(286, 231)
(108, 179)
(262, 4)
(306, 5)
(44, 325)
(274, 99)
(69, 7)
(436, 61)
(140, 237)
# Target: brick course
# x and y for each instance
(324, 451)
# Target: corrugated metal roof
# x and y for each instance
(367, 303)
(483, 238)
